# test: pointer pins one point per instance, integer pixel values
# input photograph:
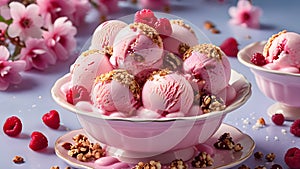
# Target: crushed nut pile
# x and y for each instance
(151, 165)
(225, 142)
(202, 160)
(83, 150)
(178, 164)
(18, 160)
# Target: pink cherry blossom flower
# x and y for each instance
(82, 7)
(60, 37)
(9, 70)
(37, 55)
(56, 8)
(154, 4)
(245, 14)
(26, 21)
(3, 2)
(5, 12)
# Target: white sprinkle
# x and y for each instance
(276, 138)
(267, 138)
(14, 97)
(293, 141)
(40, 97)
(33, 106)
(283, 131)
(246, 121)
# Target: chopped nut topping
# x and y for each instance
(148, 31)
(54, 167)
(261, 121)
(202, 160)
(90, 52)
(270, 157)
(123, 77)
(18, 160)
(258, 155)
(178, 164)
(269, 43)
(260, 167)
(172, 62)
(210, 50)
(181, 23)
(215, 31)
(182, 48)
(151, 165)
(238, 147)
(225, 142)
(85, 151)
(243, 167)
(159, 73)
(208, 25)
(209, 103)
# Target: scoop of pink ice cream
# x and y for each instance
(207, 67)
(105, 34)
(282, 52)
(116, 91)
(137, 47)
(182, 38)
(167, 92)
(87, 67)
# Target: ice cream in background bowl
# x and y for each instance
(144, 101)
(275, 64)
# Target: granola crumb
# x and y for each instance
(238, 147)
(270, 157)
(178, 164)
(225, 142)
(258, 155)
(18, 160)
(243, 167)
(202, 160)
(83, 150)
(215, 31)
(54, 167)
(260, 167)
(150, 165)
(208, 25)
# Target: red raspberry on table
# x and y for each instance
(295, 128)
(163, 27)
(145, 16)
(38, 141)
(230, 47)
(258, 59)
(292, 158)
(278, 119)
(12, 126)
(51, 119)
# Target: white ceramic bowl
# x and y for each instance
(279, 86)
(133, 140)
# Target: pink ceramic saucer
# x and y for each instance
(222, 158)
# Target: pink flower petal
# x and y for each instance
(16, 10)
(4, 53)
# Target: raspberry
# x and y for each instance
(51, 119)
(258, 59)
(292, 158)
(145, 16)
(163, 26)
(69, 96)
(278, 119)
(295, 128)
(38, 141)
(12, 126)
(230, 47)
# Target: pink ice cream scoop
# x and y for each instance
(137, 47)
(116, 91)
(167, 92)
(88, 66)
(207, 67)
(282, 52)
(105, 34)
(182, 38)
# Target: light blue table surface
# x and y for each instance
(32, 98)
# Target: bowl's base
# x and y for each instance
(289, 113)
(164, 158)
